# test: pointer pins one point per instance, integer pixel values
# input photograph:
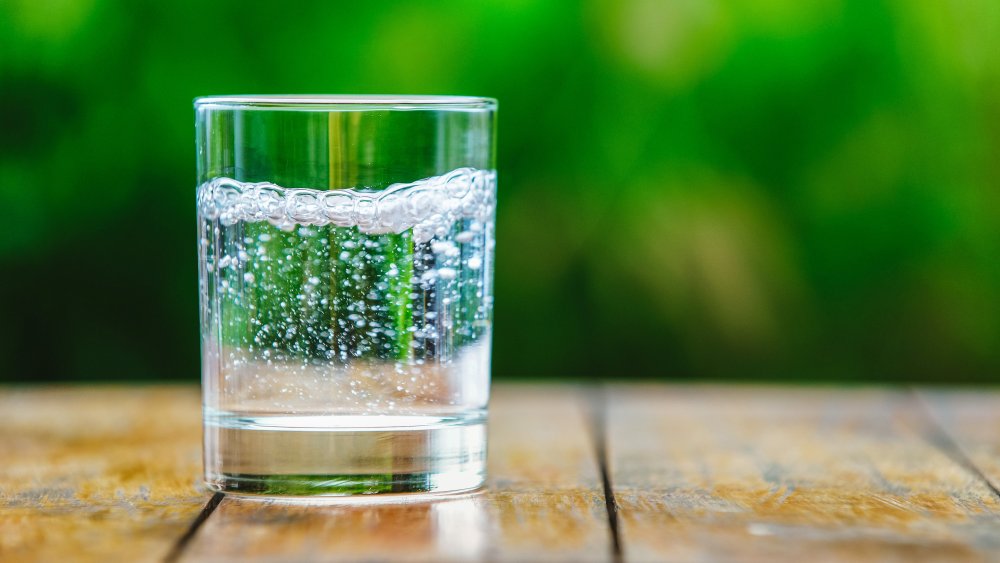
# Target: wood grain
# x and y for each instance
(97, 473)
(699, 473)
(755, 474)
(544, 502)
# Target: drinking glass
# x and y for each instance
(346, 279)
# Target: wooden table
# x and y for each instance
(634, 473)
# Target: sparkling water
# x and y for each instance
(346, 334)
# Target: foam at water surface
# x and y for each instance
(429, 206)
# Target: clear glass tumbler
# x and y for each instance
(346, 276)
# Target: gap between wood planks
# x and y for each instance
(597, 417)
(182, 542)
(937, 435)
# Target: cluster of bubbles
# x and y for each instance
(429, 207)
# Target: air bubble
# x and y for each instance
(366, 213)
(441, 247)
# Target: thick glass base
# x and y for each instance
(340, 485)
(339, 455)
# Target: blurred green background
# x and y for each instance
(689, 189)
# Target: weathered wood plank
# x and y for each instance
(971, 419)
(758, 473)
(544, 501)
(97, 473)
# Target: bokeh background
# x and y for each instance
(689, 189)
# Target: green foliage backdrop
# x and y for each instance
(688, 188)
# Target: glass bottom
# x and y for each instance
(341, 455)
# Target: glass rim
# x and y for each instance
(344, 102)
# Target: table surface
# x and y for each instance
(632, 472)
